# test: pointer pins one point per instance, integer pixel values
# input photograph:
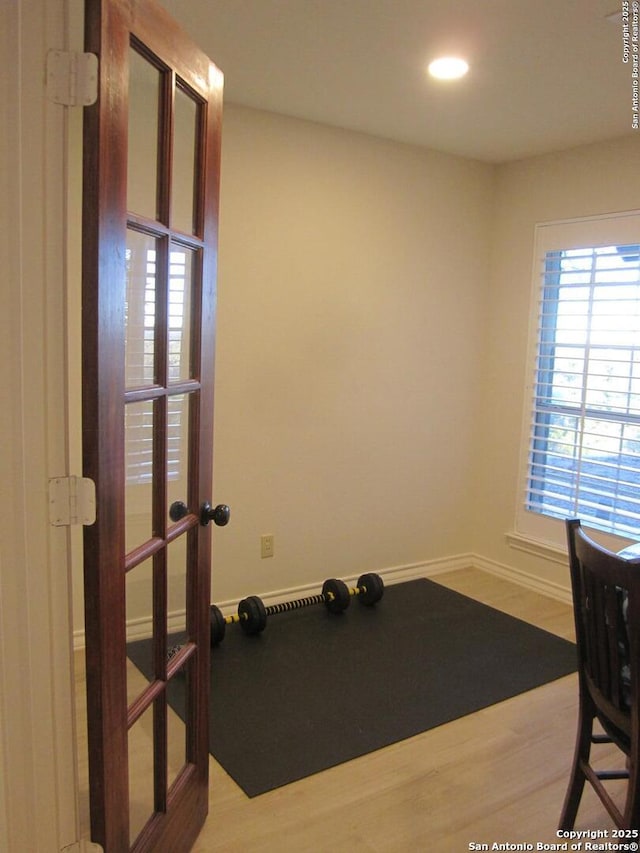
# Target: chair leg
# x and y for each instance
(632, 805)
(577, 780)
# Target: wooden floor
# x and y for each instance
(498, 775)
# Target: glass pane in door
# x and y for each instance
(183, 214)
(139, 626)
(177, 602)
(138, 495)
(141, 776)
(177, 590)
(178, 450)
(176, 732)
(182, 268)
(142, 144)
(140, 309)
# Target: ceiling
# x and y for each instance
(545, 74)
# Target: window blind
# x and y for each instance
(140, 340)
(584, 457)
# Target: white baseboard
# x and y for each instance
(532, 582)
(140, 629)
(475, 561)
(391, 575)
(428, 569)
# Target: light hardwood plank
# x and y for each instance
(498, 775)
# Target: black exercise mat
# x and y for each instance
(317, 689)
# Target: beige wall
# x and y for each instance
(585, 181)
(353, 281)
(372, 336)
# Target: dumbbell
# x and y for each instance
(336, 596)
(369, 590)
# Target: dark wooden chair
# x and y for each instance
(606, 603)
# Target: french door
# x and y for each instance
(151, 166)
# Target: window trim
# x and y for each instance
(607, 229)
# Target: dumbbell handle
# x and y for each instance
(272, 609)
(296, 604)
(310, 600)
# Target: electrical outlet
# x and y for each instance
(266, 545)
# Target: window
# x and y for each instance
(583, 455)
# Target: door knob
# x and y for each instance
(178, 510)
(220, 514)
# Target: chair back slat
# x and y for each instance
(606, 592)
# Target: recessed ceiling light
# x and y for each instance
(448, 68)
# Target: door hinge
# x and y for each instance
(82, 847)
(72, 78)
(72, 500)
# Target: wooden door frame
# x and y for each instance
(38, 755)
(104, 229)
